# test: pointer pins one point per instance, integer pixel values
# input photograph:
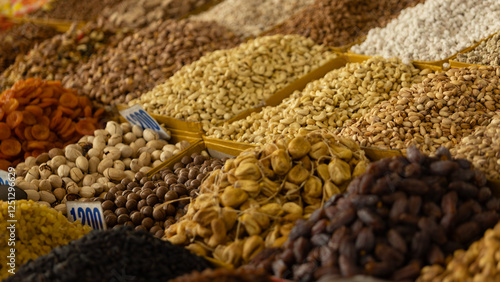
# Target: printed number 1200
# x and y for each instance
(88, 216)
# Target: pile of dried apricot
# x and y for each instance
(38, 115)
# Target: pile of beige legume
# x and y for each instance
(38, 230)
(252, 17)
(226, 82)
(440, 111)
(482, 148)
(343, 94)
(486, 53)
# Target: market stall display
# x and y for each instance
(120, 253)
(433, 31)
(226, 82)
(440, 111)
(154, 203)
(402, 214)
(19, 39)
(37, 115)
(342, 95)
(38, 230)
(257, 141)
(254, 200)
(147, 58)
(254, 16)
(91, 167)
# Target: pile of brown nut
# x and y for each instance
(94, 165)
(61, 55)
(19, 39)
(482, 148)
(226, 82)
(147, 58)
(254, 200)
(341, 95)
(137, 14)
(154, 203)
(440, 111)
(402, 214)
(341, 22)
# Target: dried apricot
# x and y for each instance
(10, 106)
(40, 132)
(48, 92)
(14, 119)
(29, 118)
(56, 119)
(27, 133)
(45, 121)
(66, 111)
(4, 131)
(87, 111)
(76, 113)
(98, 113)
(35, 110)
(36, 153)
(10, 147)
(67, 134)
(68, 100)
(37, 145)
(84, 102)
(19, 131)
(2, 114)
(85, 127)
(45, 102)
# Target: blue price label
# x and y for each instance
(138, 116)
(89, 213)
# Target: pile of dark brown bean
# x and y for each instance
(20, 39)
(400, 215)
(147, 58)
(120, 254)
(340, 22)
(154, 203)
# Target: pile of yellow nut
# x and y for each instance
(254, 200)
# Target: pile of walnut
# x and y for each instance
(255, 199)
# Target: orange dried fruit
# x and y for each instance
(45, 102)
(19, 131)
(47, 92)
(10, 147)
(87, 111)
(4, 131)
(37, 145)
(2, 114)
(84, 102)
(35, 110)
(65, 122)
(85, 127)
(45, 121)
(68, 100)
(56, 119)
(67, 134)
(36, 153)
(27, 133)
(29, 118)
(10, 105)
(66, 111)
(40, 132)
(76, 113)
(98, 113)
(14, 119)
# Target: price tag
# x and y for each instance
(4, 177)
(89, 213)
(138, 116)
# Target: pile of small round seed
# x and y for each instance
(341, 95)
(120, 254)
(154, 203)
(433, 31)
(441, 110)
(226, 82)
(487, 53)
(147, 58)
(482, 148)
